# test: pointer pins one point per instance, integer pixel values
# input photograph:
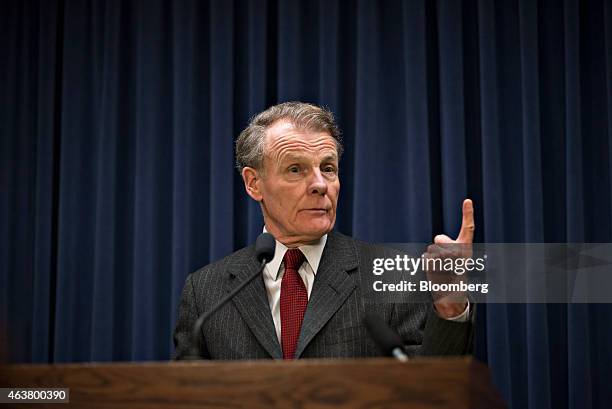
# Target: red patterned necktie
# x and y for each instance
(293, 301)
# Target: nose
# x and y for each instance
(318, 184)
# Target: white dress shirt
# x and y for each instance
(275, 270)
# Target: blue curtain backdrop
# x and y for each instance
(117, 125)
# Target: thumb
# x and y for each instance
(443, 239)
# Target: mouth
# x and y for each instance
(316, 210)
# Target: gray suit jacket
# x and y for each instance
(332, 327)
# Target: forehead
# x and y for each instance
(284, 138)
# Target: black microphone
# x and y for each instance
(265, 245)
(385, 338)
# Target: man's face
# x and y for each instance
(299, 187)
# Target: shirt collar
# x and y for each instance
(312, 252)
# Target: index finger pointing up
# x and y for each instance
(466, 235)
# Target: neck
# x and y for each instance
(292, 241)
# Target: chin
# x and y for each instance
(320, 229)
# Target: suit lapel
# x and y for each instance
(252, 304)
(333, 283)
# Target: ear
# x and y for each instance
(251, 179)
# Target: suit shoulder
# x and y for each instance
(352, 247)
(218, 267)
(366, 250)
(373, 249)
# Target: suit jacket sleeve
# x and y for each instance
(413, 317)
(444, 337)
(187, 316)
(438, 336)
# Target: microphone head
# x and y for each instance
(265, 245)
(384, 336)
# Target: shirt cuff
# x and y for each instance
(463, 317)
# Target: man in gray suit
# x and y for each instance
(309, 302)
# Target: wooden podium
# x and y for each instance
(365, 383)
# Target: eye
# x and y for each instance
(294, 169)
(329, 169)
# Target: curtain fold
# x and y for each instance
(117, 179)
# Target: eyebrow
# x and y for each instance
(331, 157)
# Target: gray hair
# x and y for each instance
(250, 144)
